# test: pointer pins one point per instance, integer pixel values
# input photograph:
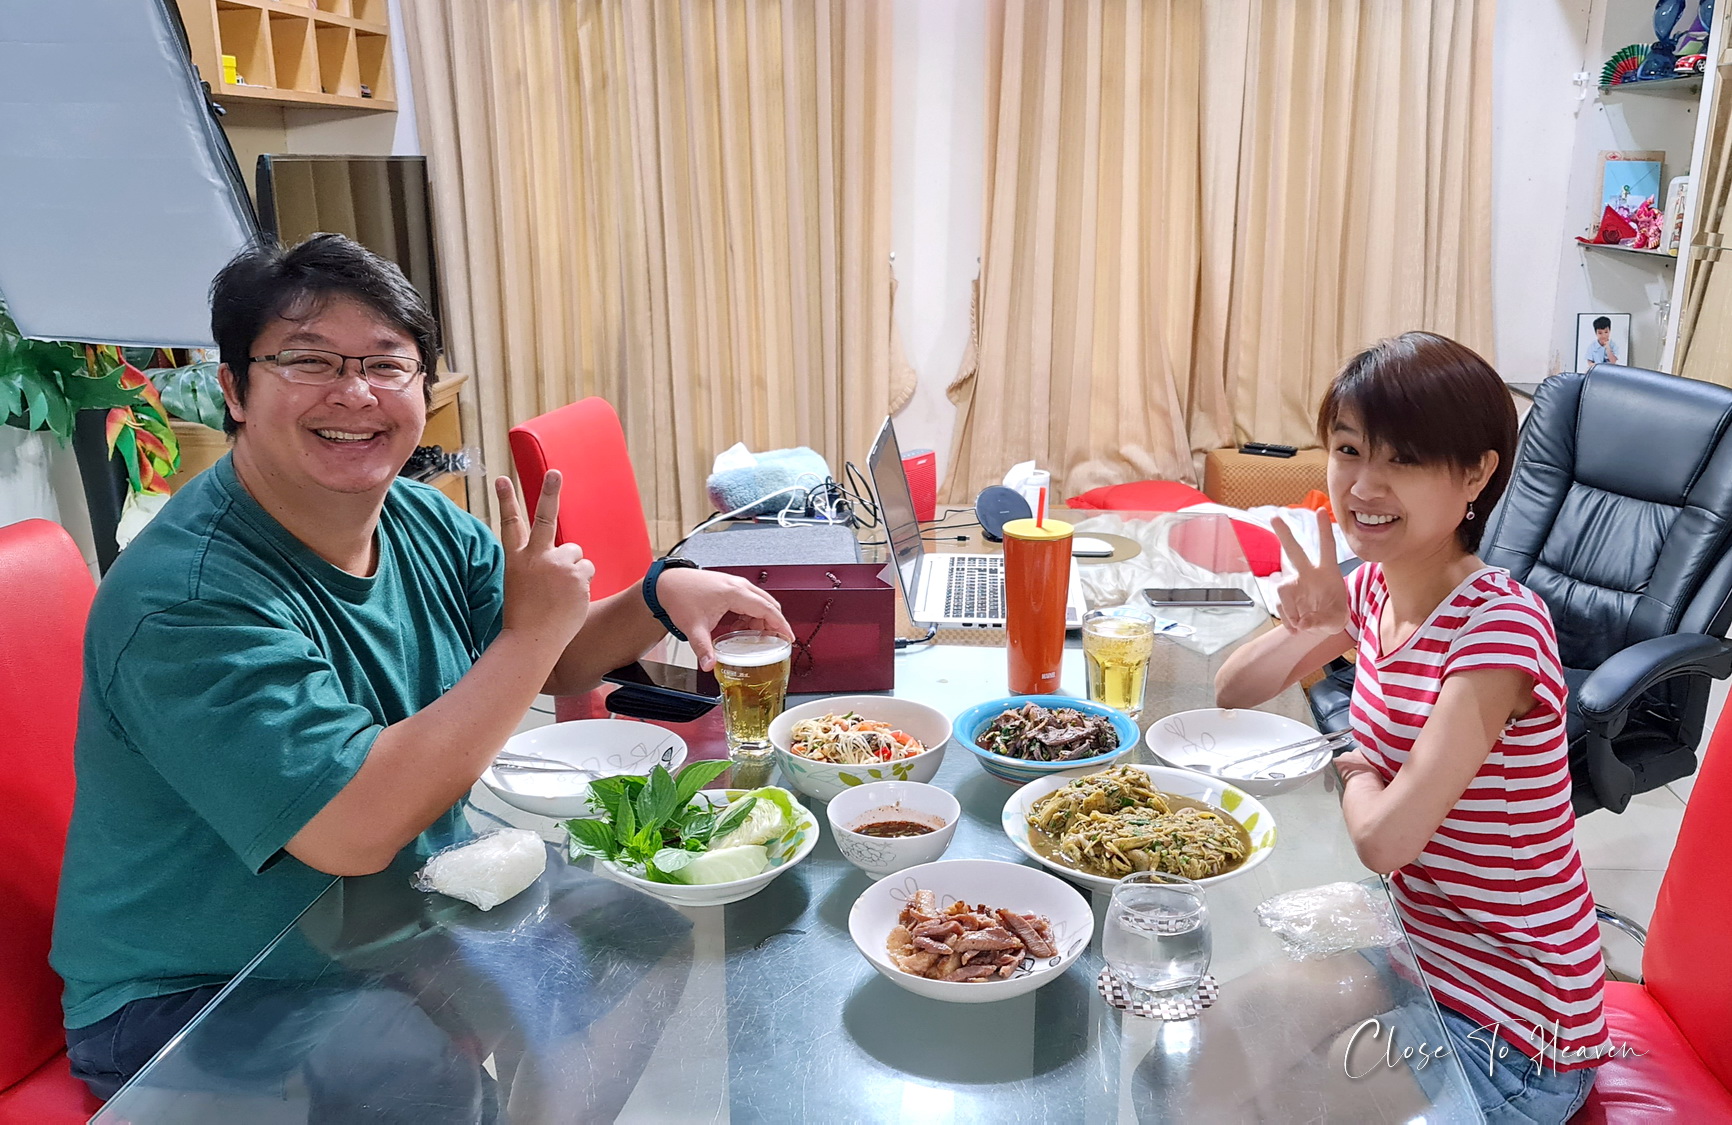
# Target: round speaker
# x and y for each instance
(996, 506)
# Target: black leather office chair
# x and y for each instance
(1619, 515)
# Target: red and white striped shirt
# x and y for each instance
(1497, 904)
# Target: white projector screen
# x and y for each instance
(119, 195)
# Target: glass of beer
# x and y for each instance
(1117, 644)
(752, 669)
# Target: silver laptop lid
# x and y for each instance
(896, 509)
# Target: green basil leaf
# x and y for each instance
(735, 816)
(693, 776)
(646, 842)
(663, 795)
(699, 828)
(606, 794)
(669, 860)
(593, 837)
(625, 824)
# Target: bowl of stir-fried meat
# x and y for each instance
(1096, 828)
(971, 931)
(1024, 737)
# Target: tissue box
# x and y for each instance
(1246, 480)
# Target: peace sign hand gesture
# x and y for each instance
(546, 584)
(1314, 599)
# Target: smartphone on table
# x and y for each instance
(651, 689)
(1196, 596)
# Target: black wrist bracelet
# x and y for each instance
(650, 578)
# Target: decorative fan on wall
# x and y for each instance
(1622, 67)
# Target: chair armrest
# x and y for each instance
(1611, 689)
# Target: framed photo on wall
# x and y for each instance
(1602, 338)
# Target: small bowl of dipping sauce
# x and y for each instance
(890, 825)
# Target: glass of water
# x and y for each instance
(1157, 935)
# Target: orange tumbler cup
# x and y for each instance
(1036, 580)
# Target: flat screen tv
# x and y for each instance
(379, 201)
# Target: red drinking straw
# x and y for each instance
(1040, 511)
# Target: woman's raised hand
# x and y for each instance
(1314, 599)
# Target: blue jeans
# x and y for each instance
(365, 1054)
(1512, 1088)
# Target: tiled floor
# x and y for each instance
(1625, 853)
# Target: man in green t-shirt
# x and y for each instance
(305, 662)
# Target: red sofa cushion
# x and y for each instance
(49, 1095)
(1668, 1082)
(1139, 496)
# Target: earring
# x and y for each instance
(1470, 509)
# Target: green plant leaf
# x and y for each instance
(607, 794)
(699, 828)
(593, 837)
(670, 860)
(693, 776)
(735, 816)
(126, 448)
(645, 842)
(664, 797)
(625, 823)
(85, 392)
(192, 393)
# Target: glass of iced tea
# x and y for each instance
(1117, 644)
(752, 669)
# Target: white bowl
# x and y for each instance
(988, 882)
(1213, 735)
(793, 846)
(1247, 810)
(892, 800)
(605, 747)
(822, 780)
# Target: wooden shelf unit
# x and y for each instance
(295, 52)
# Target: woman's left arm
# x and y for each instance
(1391, 823)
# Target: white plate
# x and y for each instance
(822, 780)
(1238, 804)
(988, 882)
(793, 846)
(606, 747)
(1210, 736)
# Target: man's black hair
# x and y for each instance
(1602, 322)
(265, 282)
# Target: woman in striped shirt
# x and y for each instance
(1460, 787)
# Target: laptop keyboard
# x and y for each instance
(975, 588)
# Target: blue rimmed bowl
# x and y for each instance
(968, 725)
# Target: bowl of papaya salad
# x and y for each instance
(829, 745)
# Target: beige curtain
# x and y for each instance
(1195, 212)
(680, 206)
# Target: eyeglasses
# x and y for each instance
(317, 368)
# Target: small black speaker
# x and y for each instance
(996, 506)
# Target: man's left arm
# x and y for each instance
(620, 628)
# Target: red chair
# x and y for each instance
(599, 506)
(45, 592)
(1680, 1016)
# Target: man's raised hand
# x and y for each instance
(546, 584)
(1314, 599)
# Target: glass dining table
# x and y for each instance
(582, 999)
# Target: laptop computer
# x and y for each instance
(945, 590)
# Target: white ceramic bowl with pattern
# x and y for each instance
(1257, 820)
(604, 747)
(822, 780)
(1210, 736)
(987, 882)
(790, 848)
(892, 800)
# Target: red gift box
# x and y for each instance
(921, 466)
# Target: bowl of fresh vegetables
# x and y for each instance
(834, 744)
(1025, 737)
(668, 836)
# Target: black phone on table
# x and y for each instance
(1197, 596)
(650, 689)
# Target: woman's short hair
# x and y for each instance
(266, 281)
(1430, 400)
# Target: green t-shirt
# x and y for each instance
(233, 684)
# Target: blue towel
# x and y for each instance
(777, 469)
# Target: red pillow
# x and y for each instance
(1139, 496)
